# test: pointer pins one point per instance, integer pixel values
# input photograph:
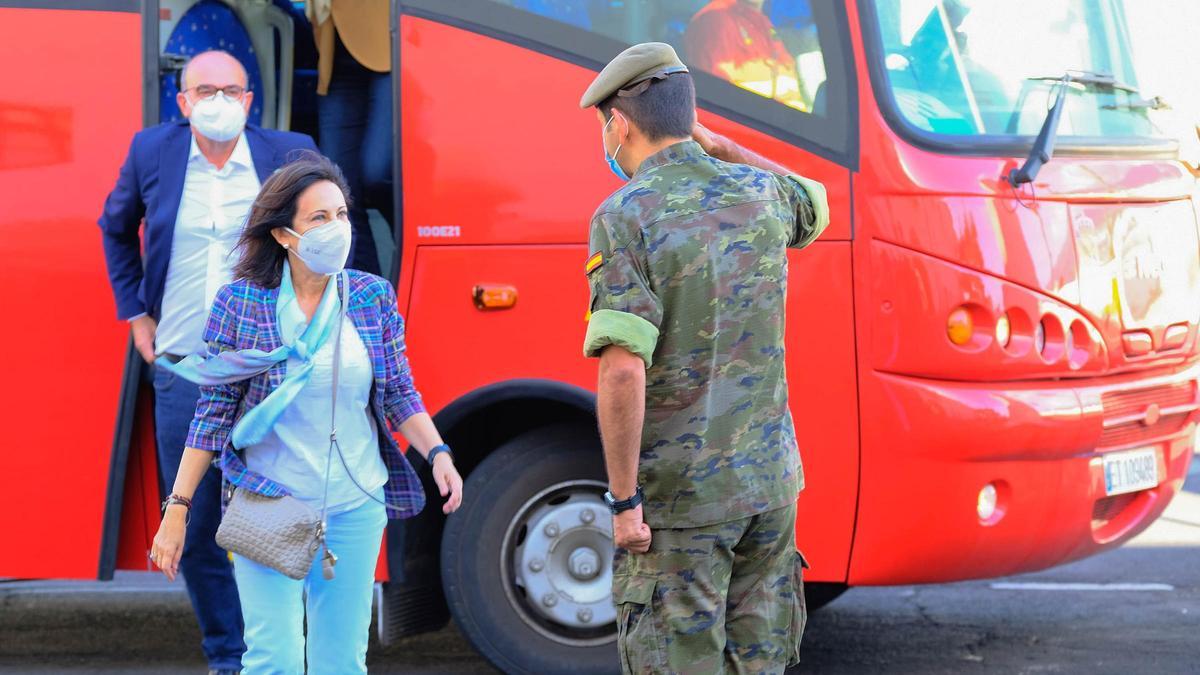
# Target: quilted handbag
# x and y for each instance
(284, 533)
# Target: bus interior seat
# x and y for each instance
(247, 29)
(819, 100)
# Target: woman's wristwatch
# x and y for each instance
(437, 450)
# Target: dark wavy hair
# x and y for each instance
(262, 257)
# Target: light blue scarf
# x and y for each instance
(300, 339)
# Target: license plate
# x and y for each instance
(1130, 471)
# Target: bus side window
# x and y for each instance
(775, 53)
(771, 49)
(779, 65)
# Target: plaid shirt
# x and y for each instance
(243, 317)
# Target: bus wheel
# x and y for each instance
(527, 560)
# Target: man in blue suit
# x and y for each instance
(193, 182)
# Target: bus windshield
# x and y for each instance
(981, 67)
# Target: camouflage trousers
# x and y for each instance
(727, 598)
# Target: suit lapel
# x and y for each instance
(262, 152)
(172, 170)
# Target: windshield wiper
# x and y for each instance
(1153, 103)
(1043, 146)
(1087, 77)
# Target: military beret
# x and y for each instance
(638, 65)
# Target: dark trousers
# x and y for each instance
(205, 566)
(355, 124)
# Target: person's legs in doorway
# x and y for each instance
(339, 609)
(205, 566)
(343, 115)
(378, 153)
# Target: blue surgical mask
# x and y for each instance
(612, 160)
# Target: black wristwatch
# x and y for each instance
(625, 504)
(437, 450)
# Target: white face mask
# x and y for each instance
(218, 118)
(325, 248)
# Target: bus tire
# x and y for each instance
(527, 560)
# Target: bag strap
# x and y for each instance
(333, 442)
(344, 280)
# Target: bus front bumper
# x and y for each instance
(930, 447)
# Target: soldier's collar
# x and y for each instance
(677, 152)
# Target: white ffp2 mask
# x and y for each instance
(218, 117)
(325, 248)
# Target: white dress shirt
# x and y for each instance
(212, 213)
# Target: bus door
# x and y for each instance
(70, 100)
(501, 171)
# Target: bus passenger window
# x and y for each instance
(768, 47)
(769, 50)
(574, 12)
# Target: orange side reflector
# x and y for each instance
(494, 296)
(960, 327)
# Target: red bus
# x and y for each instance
(988, 376)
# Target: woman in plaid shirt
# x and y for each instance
(274, 325)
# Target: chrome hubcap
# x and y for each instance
(558, 555)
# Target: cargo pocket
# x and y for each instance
(799, 610)
(638, 635)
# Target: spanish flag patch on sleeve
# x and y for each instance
(593, 263)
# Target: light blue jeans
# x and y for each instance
(339, 611)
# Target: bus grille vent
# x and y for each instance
(1105, 510)
(1125, 414)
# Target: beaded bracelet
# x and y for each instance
(176, 499)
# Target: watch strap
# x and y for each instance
(624, 505)
(437, 450)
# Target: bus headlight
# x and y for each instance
(1003, 331)
(985, 504)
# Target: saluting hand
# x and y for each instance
(630, 532)
(709, 142)
(449, 483)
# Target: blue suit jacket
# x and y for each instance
(150, 186)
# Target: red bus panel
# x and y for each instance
(71, 100)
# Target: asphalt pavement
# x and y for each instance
(1132, 610)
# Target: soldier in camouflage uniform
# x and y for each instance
(688, 276)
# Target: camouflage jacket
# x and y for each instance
(688, 270)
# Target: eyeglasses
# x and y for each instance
(234, 91)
